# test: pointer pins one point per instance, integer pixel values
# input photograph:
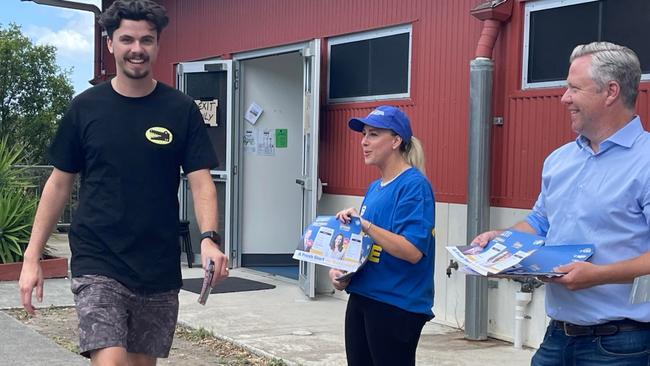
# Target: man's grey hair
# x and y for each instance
(611, 62)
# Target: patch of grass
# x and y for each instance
(277, 362)
(59, 324)
(22, 315)
(231, 354)
(195, 335)
(66, 343)
(19, 314)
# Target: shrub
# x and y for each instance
(16, 218)
(17, 206)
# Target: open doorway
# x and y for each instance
(276, 157)
(271, 160)
(268, 183)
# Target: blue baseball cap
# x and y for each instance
(388, 117)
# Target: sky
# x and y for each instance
(70, 31)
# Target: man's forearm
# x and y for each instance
(626, 271)
(524, 227)
(204, 195)
(55, 194)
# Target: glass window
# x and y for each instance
(554, 27)
(370, 66)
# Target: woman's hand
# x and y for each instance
(339, 285)
(346, 215)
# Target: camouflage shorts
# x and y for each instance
(110, 315)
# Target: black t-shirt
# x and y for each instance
(129, 152)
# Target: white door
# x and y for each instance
(210, 84)
(309, 180)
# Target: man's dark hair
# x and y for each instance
(133, 10)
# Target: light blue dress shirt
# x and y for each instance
(601, 198)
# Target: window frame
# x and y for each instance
(367, 35)
(533, 6)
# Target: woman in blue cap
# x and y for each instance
(391, 296)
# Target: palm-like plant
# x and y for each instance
(17, 207)
(16, 218)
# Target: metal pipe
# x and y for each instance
(478, 192)
(70, 5)
(522, 300)
(492, 13)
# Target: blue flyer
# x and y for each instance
(544, 260)
(519, 254)
(331, 243)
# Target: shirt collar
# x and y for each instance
(624, 137)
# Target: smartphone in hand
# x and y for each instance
(207, 283)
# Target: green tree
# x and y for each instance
(34, 93)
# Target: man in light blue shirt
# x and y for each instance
(597, 190)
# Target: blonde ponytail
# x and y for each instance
(414, 154)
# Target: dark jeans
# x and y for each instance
(380, 334)
(628, 348)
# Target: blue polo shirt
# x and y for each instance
(405, 206)
(601, 198)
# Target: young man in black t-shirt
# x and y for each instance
(128, 139)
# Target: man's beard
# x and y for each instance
(136, 76)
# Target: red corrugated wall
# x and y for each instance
(444, 40)
(535, 122)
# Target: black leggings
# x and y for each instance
(380, 334)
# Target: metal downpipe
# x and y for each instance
(478, 189)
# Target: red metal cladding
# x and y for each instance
(444, 39)
(534, 126)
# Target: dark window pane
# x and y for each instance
(554, 33)
(389, 58)
(209, 86)
(377, 66)
(349, 69)
(625, 22)
(203, 85)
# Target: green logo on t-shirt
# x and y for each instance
(159, 135)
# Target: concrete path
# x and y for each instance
(282, 323)
(21, 346)
(279, 323)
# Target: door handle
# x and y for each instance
(304, 182)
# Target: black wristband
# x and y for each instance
(212, 235)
